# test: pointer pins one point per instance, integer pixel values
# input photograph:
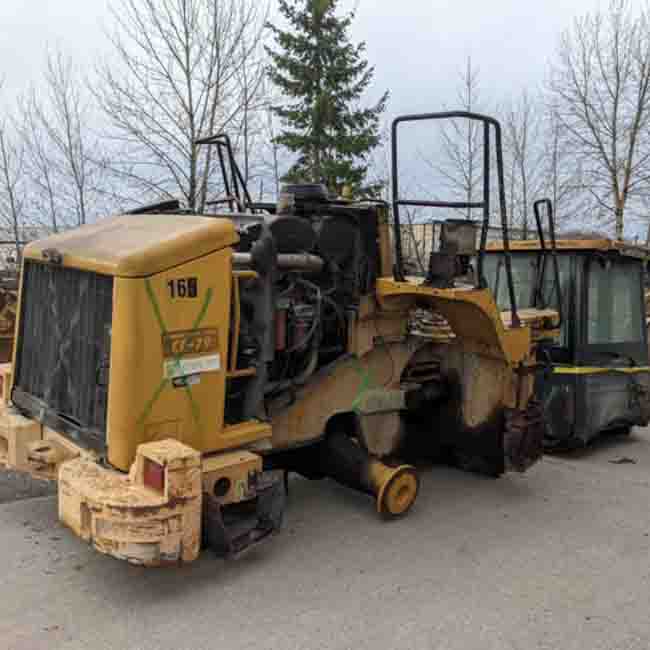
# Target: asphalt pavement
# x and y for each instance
(555, 558)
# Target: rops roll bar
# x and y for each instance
(489, 124)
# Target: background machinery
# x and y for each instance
(169, 367)
(597, 374)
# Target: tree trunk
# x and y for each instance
(619, 221)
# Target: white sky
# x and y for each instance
(417, 46)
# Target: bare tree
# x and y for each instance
(379, 164)
(40, 168)
(601, 87)
(253, 103)
(461, 153)
(270, 158)
(62, 154)
(64, 122)
(275, 164)
(185, 70)
(12, 187)
(562, 173)
(524, 154)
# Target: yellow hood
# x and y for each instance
(136, 245)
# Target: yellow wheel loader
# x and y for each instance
(171, 368)
(8, 303)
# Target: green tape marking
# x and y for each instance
(366, 383)
(199, 319)
(154, 304)
(152, 401)
(204, 308)
(196, 412)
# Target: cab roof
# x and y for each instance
(136, 245)
(601, 244)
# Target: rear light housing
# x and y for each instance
(153, 475)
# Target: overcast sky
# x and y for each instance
(417, 46)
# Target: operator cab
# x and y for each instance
(599, 374)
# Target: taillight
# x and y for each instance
(153, 475)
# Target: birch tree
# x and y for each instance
(600, 84)
(63, 160)
(12, 185)
(40, 167)
(181, 70)
(524, 156)
(459, 163)
(562, 172)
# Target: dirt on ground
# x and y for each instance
(15, 486)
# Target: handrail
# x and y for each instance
(239, 197)
(488, 123)
(542, 243)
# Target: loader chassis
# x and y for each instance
(170, 367)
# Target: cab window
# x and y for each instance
(614, 306)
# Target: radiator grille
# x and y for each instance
(64, 345)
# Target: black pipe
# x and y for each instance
(398, 270)
(556, 269)
(480, 278)
(224, 174)
(342, 459)
(504, 227)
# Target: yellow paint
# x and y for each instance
(396, 488)
(400, 494)
(601, 244)
(137, 245)
(598, 370)
(237, 467)
(327, 394)
(471, 313)
(142, 403)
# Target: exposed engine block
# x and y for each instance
(314, 258)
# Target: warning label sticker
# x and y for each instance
(190, 342)
(173, 368)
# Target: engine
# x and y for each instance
(314, 259)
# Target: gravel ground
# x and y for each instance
(556, 559)
(15, 486)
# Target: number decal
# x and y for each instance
(183, 288)
(190, 342)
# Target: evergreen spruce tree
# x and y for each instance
(323, 76)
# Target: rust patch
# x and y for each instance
(122, 517)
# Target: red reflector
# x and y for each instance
(154, 475)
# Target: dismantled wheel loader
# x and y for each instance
(8, 305)
(169, 367)
(596, 377)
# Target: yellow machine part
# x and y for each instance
(396, 488)
(158, 337)
(472, 314)
(135, 246)
(171, 318)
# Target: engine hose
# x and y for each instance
(337, 311)
(317, 316)
(302, 378)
